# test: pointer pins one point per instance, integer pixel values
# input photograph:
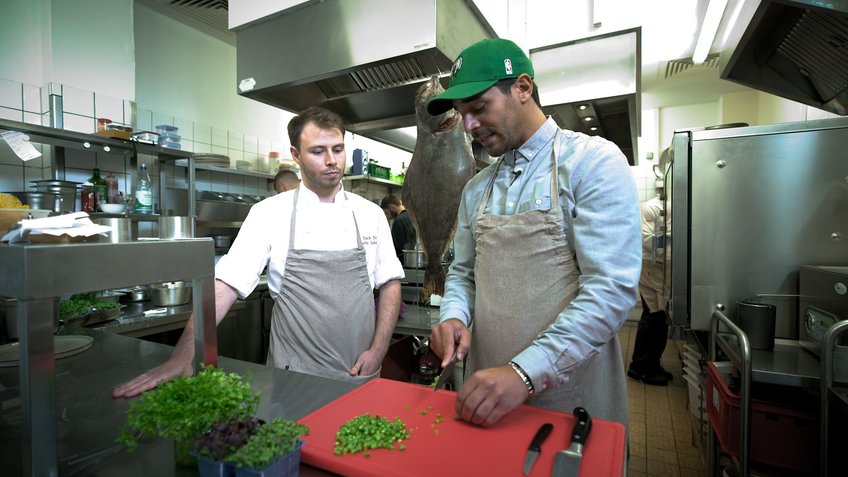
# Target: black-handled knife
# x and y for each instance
(567, 461)
(536, 446)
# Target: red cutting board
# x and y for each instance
(458, 448)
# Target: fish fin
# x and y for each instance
(434, 281)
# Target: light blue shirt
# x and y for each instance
(602, 223)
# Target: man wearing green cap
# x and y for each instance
(547, 251)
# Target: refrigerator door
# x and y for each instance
(756, 204)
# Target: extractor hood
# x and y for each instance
(593, 85)
(794, 49)
(363, 59)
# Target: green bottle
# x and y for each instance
(99, 184)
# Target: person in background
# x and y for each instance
(547, 251)
(316, 242)
(652, 333)
(285, 180)
(403, 231)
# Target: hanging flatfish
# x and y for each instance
(442, 163)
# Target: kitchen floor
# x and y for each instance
(660, 424)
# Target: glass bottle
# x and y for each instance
(112, 193)
(143, 193)
(99, 185)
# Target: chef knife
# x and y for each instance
(442, 378)
(567, 461)
(536, 446)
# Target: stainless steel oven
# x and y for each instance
(823, 302)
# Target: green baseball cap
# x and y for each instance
(478, 68)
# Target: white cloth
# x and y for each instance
(653, 285)
(264, 239)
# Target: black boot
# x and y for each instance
(648, 347)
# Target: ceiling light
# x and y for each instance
(593, 128)
(588, 118)
(709, 28)
(582, 107)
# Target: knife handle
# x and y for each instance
(581, 427)
(541, 435)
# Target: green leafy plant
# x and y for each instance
(273, 440)
(186, 406)
(83, 304)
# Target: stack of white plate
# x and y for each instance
(212, 160)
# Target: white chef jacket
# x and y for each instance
(264, 239)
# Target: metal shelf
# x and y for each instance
(373, 180)
(226, 170)
(789, 364)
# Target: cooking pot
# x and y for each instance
(757, 320)
(170, 293)
(414, 259)
(135, 294)
(40, 200)
(176, 227)
(123, 230)
(67, 189)
(222, 241)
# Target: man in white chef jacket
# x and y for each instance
(326, 250)
(547, 251)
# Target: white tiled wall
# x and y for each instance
(30, 104)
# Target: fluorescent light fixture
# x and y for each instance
(709, 28)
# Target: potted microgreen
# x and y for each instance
(186, 406)
(214, 447)
(273, 451)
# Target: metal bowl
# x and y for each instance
(170, 293)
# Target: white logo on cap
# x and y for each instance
(508, 66)
(456, 66)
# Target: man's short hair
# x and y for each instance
(288, 178)
(505, 84)
(389, 200)
(321, 117)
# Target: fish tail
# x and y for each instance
(434, 281)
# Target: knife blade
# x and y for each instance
(536, 446)
(442, 378)
(567, 461)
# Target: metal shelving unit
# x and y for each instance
(37, 275)
(788, 364)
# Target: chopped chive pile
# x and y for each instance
(367, 432)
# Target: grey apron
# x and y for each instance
(529, 252)
(324, 318)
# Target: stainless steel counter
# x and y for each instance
(89, 418)
(789, 364)
(418, 320)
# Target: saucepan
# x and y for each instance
(414, 259)
(170, 293)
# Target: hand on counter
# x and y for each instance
(168, 370)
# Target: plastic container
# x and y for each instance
(172, 145)
(379, 172)
(166, 128)
(287, 466)
(783, 434)
(169, 137)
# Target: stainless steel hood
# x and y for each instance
(363, 59)
(794, 49)
(593, 85)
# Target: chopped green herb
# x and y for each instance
(365, 432)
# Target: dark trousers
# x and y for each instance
(651, 338)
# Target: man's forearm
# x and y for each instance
(387, 314)
(225, 296)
